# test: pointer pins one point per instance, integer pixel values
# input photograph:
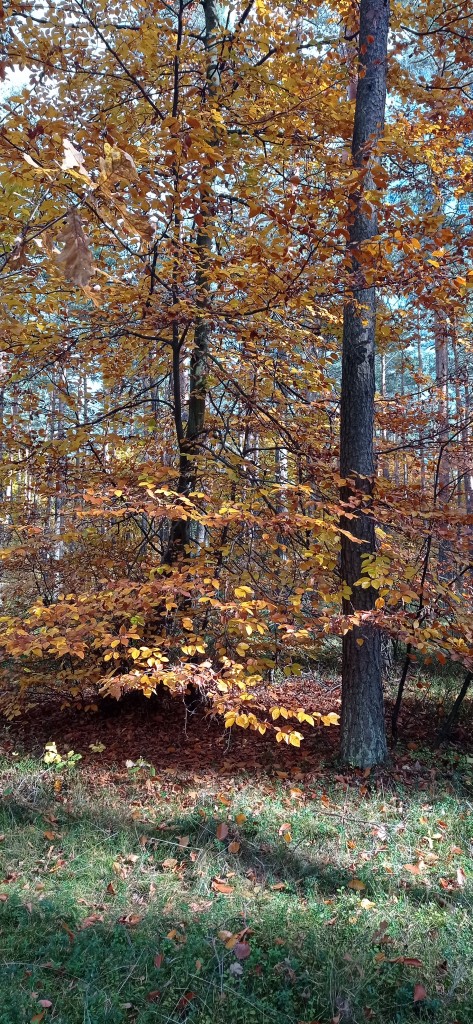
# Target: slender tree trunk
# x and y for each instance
(419, 400)
(180, 534)
(363, 739)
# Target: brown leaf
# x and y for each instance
(169, 864)
(284, 828)
(88, 922)
(45, 1003)
(184, 841)
(233, 847)
(242, 950)
(222, 831)
(158, 960)
(356, 884)
(222, 887)
(414, 869)
(130, 920)
(419, 993)
(68, 931)
(111, 889)
(461, 877)
(75, 259)
(153, 996)
(185, 1000)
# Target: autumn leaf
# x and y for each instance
(222, 887)
(414, 869)
(130, 920)
(419, 993)
(356, 884)
(222, 831)
(242, 950)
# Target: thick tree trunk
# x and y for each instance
(363, 740)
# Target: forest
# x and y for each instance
(236, 511)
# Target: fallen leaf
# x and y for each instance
(278, 887)
(88, 922)
(242, 950)
(169, 864)
(233, 847)
(158, 960)
(3, 897)
(45, 1003)
(356, 884)
(184, 841)
(153, 996)
(185, 1000)
(111, 889)
(379, 935)
(419, 993)
(68, 931)
(284, 828)
(414, 869)
(240, 818)
(367, 904)
(222, 831)
(461, 877)
(130, 920)
(222, 887)
(38, 1017)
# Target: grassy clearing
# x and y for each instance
(120, 904)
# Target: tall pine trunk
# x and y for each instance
(363, 740)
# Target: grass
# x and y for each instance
(122, 904)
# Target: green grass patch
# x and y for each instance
(322, 900)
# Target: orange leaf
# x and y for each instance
(356, 884)
(419, 993)
(413, 868)
(222, 887)
(222, 830)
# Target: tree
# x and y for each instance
(363, 732)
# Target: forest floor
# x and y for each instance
(178, 874)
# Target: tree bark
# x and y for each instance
(363, 739)
(180, 533)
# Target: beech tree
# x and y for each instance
(204, 233)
